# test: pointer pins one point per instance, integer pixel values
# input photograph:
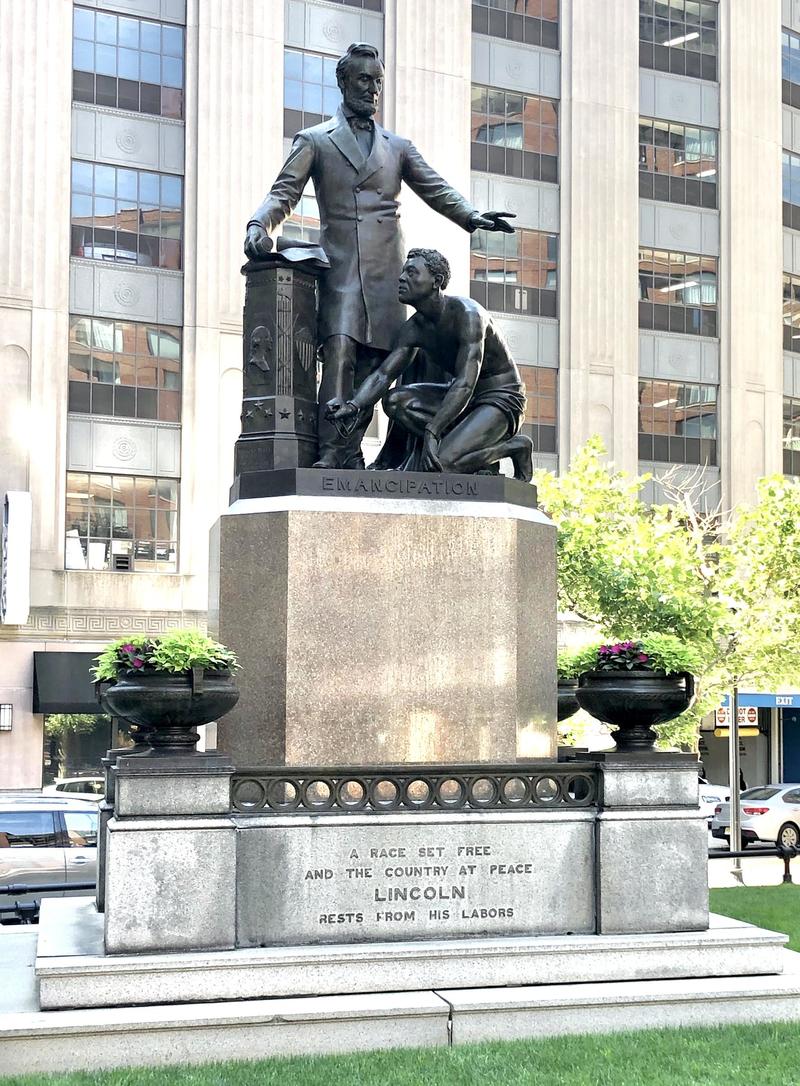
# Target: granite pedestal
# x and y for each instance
(386, 617)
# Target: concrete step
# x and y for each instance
(73, 971)
(101, 1038)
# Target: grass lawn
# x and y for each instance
(766, 1055)
(758, 1055)
(773, 907)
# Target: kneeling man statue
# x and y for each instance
(468, 425)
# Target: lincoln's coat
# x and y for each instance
(358, 203)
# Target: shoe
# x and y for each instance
(327, 463)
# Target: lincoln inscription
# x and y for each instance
(392, 879)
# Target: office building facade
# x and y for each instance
(641, 145)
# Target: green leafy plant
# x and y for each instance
(573, 662)
(173, 653)
(652, 652)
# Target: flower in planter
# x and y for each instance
(172, 653)
(662, 653)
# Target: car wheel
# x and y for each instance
(789, 835)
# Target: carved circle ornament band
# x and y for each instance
(125, 294)
(332, 31)
(124, 448)
(127, 141)
(281, 791)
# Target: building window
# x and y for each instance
(677, 422)
(124, 368)
(303, 223)
(514, 134)
(310, 91)
(121, 523)
(791, 436)
(790, 56)
(677, 292)
(679, 36)
(791, 313)
(366, 5)
(127, 63)
(791, 190)
(126, 216)
(515, 273)
(678, 163)
(541, 391)
(534, 22)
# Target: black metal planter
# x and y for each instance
(169, 707)
(634, 701)
(567, 700)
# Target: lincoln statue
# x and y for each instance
(357, 169)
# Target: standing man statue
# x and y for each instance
(357, 168)
(469, 424)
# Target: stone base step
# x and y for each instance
(57, 1041)
(73, 971)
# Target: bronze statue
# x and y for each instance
(357, 168)
(467, 425)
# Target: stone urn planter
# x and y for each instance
(634, 701)
(167, 708)
(166, 686)
(567, 699)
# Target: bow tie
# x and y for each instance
(360, 122)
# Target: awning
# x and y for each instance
(788, 700)
(62, 683)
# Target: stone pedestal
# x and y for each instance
(279, 405)
(375, 626)
(652, 868)
(170, 872)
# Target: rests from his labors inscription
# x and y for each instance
(466, 425)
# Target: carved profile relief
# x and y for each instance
(260, 351)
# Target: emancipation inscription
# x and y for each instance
(419, 877)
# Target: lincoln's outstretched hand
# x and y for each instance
(495, 221)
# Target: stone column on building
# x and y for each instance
(599, 356)
(35, 93)
(234, 149)
(427, 99)
(751, 249)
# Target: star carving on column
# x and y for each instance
(284, 414)
(259, 406)
(249, 413)
(300, 416)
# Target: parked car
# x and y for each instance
(45, 839)
(91, 788)
(711, 796)
(769, 813)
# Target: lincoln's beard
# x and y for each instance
(359, 106)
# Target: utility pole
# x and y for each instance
(733, 777)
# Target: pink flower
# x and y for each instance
(138, 663)
(615, 650)
(642, 658)
(128, 648)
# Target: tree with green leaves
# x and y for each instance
(729, 586)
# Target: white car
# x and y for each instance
(92, 788)
(770, 812)
(711, 796)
